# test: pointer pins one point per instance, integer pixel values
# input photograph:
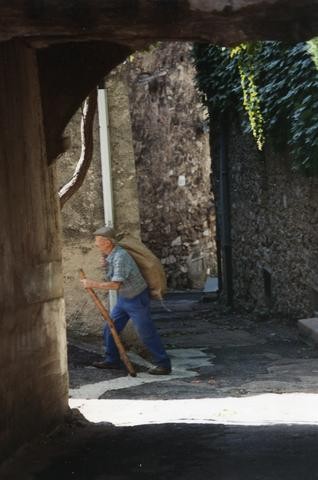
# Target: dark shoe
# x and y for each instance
(107, 365)
(160, 370)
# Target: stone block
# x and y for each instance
(309, 327)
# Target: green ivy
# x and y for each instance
(275, 84)
(218, 80)
(245, 54)
(313, 49)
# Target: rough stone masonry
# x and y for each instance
(173, 163)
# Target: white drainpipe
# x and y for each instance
(106, 167)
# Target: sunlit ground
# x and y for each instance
(265, 409)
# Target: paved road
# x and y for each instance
(178, 452)
(216, 354)
(193, 452)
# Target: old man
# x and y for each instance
(124, 276)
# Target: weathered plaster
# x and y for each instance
(33, 367)
(126, 208)
(83, 213)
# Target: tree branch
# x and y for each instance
(87, 123)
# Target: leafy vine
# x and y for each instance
(245, 53)
(272, 88)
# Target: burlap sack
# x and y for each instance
(149, 265)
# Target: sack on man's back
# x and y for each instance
(149, 265)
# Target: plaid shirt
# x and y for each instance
(121, 267)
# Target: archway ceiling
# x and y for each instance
(134, 22)
(79, 41)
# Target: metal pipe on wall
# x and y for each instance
(225, 212)
(105, 153)
(215, 189)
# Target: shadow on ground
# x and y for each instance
(184, 452)
(243, 356)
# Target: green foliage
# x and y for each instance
(246, 53)
(218, 79)
(313, 49)
(276, 84)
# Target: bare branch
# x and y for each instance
(87, 123)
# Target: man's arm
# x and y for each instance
(87, 283)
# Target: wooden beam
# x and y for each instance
(68, 73)
(132, 21)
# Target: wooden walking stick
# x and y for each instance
(110, 323)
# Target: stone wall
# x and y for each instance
(84, 213)
(33, 366)
(126, 205)
(173, 173)
(173, 163)
(81, 215)
(274, 231)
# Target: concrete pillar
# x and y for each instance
(33, 370)
(125, 192)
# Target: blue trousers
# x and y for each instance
(138, 309)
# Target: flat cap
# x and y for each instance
(107, 232)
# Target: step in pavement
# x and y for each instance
(309, 328)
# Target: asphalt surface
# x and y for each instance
(190, 451)
(247, 355)
(242, 355)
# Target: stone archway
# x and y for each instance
(52, 53)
